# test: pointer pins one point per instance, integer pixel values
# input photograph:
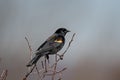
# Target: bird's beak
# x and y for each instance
(68, 31)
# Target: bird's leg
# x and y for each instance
(45, 65)
(47, 57)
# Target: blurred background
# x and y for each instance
(94, 54)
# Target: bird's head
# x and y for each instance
(62, 31)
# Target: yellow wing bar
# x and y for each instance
(59, 40)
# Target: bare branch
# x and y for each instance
(38, 72)
(29, 47)
(54, 71)
(61, 70)
(29, 72)
(4, 75)
(68, 45)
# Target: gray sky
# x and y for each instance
(95, 22)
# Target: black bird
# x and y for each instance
(51, 46)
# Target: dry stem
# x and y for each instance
(4, 74)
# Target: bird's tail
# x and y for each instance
(34, 60)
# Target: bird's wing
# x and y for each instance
(51, 43)
(54, 41)
(50, 39)
(41, 46)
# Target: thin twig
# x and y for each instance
(45, 69)
(68, 45)
(57, 72)
(61, 70)
(31, 52)
(37, 71)
(29, 72)
(4, 74)
(54, 71)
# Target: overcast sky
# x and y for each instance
(95, 22)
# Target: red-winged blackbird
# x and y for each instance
(51, 46)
